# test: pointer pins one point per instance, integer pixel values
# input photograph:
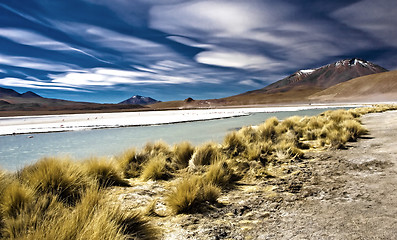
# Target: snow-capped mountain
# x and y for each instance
(140, 100)
(325, 76)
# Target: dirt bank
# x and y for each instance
(338, 194)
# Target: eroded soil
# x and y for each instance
(338, 194)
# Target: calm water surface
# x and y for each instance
(19, 150)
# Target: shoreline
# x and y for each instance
(89, 121)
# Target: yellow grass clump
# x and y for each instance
(189, 194)
(182, 154)
(157, 168)
(105, 172)
(206, 154)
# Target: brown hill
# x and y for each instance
(375, 87)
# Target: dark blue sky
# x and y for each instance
(109, 50)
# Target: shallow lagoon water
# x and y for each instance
(19, 150)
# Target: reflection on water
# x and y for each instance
(17, 151)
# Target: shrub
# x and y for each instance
(105, 172)
(182, 154)
(206, 154)
(59, 177)
(156, 169)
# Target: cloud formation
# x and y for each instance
(179, 48)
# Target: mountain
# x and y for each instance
(374, 87)
(139, 100)
(325, 76)
(6, 92)
(30, 94)
(303, 83)
(13, 103)
(295, 88)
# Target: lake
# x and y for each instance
(17, 151)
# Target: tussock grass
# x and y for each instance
(234, 144)
(354, 128)
(182, 154)
(267, 130)
(220, 174)
(129, 162)
(153, 149)
(59, 177)
(15, 199)
(157, 168)
(105, 172)
(190, 194)
(206, 154)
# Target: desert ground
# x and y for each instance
(334, 194)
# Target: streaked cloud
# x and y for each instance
(171, 48)
(35, 63)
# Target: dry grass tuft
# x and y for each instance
(219, 174)
(182, 154)
(157, 168)
(267, 130)
(206, 154)
(190, 194)
(59, 177)
(233, 144)
(105, 172)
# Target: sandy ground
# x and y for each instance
(356, 191)
(338, 194)
(75, 122)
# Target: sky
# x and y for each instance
(109, 50)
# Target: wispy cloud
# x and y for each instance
(35, 84)
(377, 18)
(36, 63)
(229, 58)
(186, 45)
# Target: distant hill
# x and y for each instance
(13, 103)
(140, 100)
(375, 87)
(6, 92)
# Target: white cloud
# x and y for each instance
(229, 58)
(31, 38)
(189, 42)
(35, 63)
(108, 38)
(16, 82)
(219, 18)
(250, 83)
(105, 77)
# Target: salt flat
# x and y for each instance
(75, 122)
